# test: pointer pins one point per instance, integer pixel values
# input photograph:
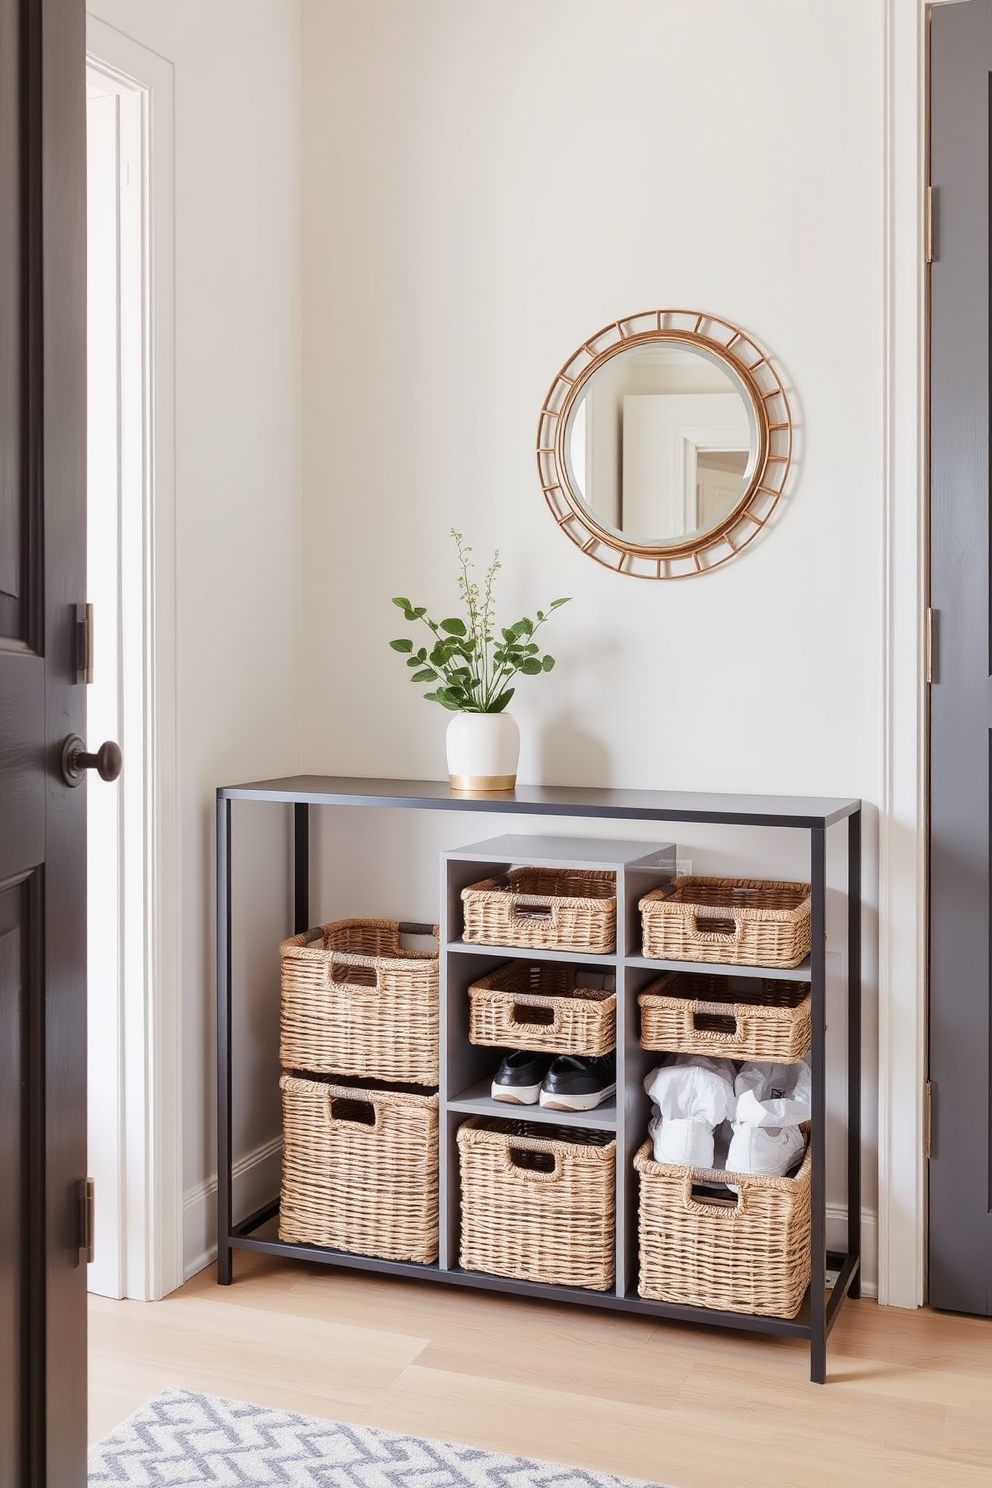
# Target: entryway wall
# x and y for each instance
(483, 186)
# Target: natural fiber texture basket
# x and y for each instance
(552, 909)
(737, 921)
(359, 1170)
(354, 1002)
(746, 1254)
(537, 1005)
(538, 1203)
(688, 1012)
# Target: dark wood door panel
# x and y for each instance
(11, 1210)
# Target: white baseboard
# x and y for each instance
(837, 1241)
(256, 1180)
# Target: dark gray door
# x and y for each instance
(961, 695)
(42, 820)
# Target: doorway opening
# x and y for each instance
(134, 1066)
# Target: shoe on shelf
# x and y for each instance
(767, 1150)
(574, 1083)
(519, 1078)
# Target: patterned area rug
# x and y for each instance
(189, 1439)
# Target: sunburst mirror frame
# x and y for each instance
(748, 366)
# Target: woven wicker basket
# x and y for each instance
(750, 1254)
(737, 921)
(354, 1002)
(552, 909)
(537, 1005)
(698, 1013)
(359, 1170)
(538, 1203)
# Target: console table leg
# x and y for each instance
(854, 1044)
(818, 1257)
(225, 1195)
(301, 867)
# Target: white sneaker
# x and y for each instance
(682, 1141)
(768, 1150)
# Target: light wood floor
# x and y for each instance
(909, 1400)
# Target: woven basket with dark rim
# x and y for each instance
(538, 1203)
(359, 1170)
(355, 1002)
(688, 1012)
(746, 1254)
(551, 909)
(537, 1005)
(737, 921)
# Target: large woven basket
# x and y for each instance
(737, 921)
(552, 909)
(359, 1170)
(354, 1002)
(538, 1005)
(538, 1203)
(700, 1013)
(746, 1254)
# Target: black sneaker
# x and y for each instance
(519, 1077)
(576, 1084)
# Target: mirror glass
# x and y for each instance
(661, 442)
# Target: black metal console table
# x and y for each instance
(812, 815)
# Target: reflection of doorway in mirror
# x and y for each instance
(719, 477)
(665, 436)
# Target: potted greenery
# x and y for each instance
(470, 667)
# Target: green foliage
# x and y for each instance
(469, 666)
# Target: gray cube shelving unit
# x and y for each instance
(466, 1069)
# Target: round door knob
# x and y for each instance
(75, 761)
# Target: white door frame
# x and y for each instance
(149, 1035)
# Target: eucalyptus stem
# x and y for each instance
(468, 667)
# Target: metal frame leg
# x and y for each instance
(818, 1258)
(225, 1196)
(301, 867)
(854, 1045)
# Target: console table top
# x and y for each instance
(552, 800)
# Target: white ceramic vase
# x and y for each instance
(482, 750)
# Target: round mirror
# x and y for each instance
(663, 443)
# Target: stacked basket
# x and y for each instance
(359, 1035)
(738, 1242)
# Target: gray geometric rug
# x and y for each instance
(198, 1440)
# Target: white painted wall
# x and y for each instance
(486, 185)
(237, 524)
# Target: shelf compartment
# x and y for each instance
(476, 1101)
(800, 973)
(526, 953)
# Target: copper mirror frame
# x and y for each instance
(748, 366)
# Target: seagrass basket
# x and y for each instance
(539, 1005)
(737, 921)
(537, 1202)
(701, 1013)
(359, 1169)
(552, 909)
(747, 1253)
(355, 1002)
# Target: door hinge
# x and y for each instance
(929, 645)
(927, 1117)
(930, 224)
(87, 1201)
(84, 642)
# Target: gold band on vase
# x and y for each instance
(482, 783)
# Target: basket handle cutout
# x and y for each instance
(345, 970)
(714, 1018)
(699, 1202)
(522, 1013)
(526, 1161)
(352, 1110)
(524, 911)
(722, 925)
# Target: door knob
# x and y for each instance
(75, 760)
